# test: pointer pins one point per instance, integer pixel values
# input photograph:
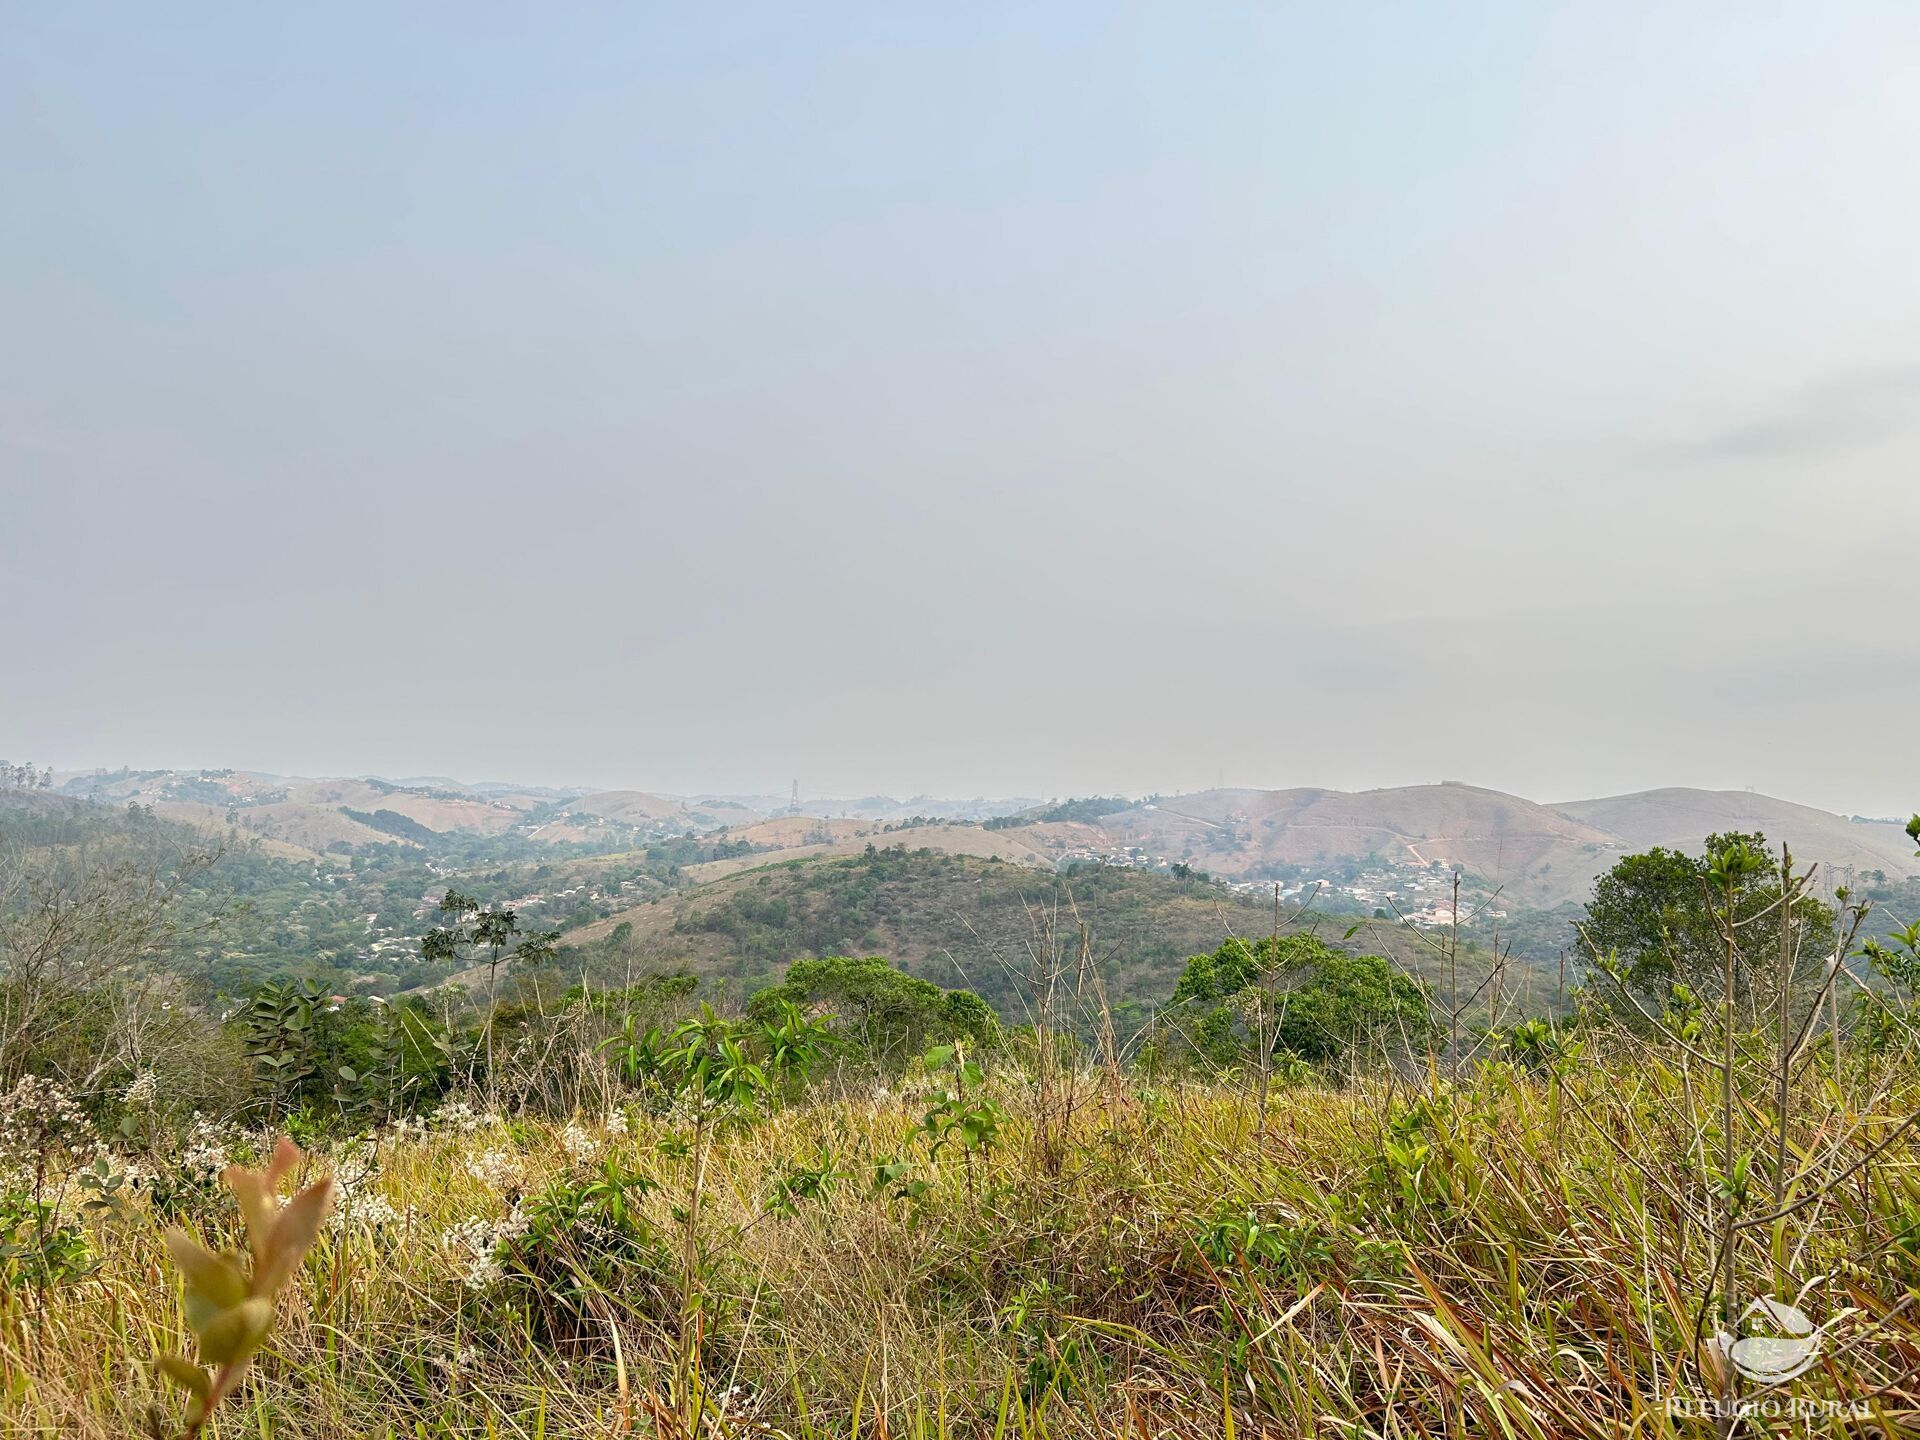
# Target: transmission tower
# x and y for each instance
(793, 805)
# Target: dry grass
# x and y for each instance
(1509, 1256)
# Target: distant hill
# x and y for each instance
(1539, 855)
(1683, 818)
(22, 803)
(313, 816)
(1374, 844)
(883, 808)
(329, 815)
(715, 884)
(630, 806)
(955, 919)
(638, 808)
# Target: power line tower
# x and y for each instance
(793, 805)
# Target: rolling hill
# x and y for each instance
(315, 816)
(646, 811)
(714, 885)
(957, 920)
(311, 816)
(1533, 850)
(1538, 855)
(1681, 817)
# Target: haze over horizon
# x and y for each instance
(778, 792)
(985, 401)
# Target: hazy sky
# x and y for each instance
(999, 398)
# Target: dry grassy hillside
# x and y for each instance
(1539, 855)
(644, 810)
(308, 813)
(795, 837)
(1681, 817)
(1416, 1258)
(440, 812)
(634, 807)
(305, 814)
(787, 830)
(949, 918)
(294, 832)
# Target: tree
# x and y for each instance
(443, 942)
(539, 947)
(492, 929)
(1649, 927)
(1318, 1003)
(84, 930)
(885, 1013)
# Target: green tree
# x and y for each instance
(1650, 928)
(494, 928)
(1318, 1003)
(443, 942)
(538, 947)
(884, 1013)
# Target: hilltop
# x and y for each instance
(955, 919)
(314, 817)
(1538, 856)
(1374, 853)
(1681, 817)
(1537, 853)
(310, 817)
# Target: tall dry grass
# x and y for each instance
(1507, 1254)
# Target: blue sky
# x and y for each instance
(966, 398)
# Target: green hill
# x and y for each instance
(956, 920)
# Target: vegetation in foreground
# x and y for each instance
(1311, 1196)
(1450, 1259)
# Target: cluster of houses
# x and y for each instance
(1420, 893)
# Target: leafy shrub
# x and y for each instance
(1240, 1238)
(38, 1250)
(230, 1308)
(584, 1240)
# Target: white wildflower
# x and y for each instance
(516, 1225)
(482, 1271)
(495, 1168)
(578, 1142)
(475, 1246)
(366, 1212)
(459, 1116)
(37, 1117)
(204, 1155)
(465, 1358)
(143, 1093)
(472, 1243)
